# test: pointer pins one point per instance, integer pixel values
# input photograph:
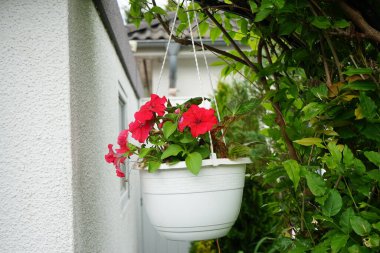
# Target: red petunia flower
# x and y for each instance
(140, 130)
(119, 173)
(144, 114)
(157, 104)
(116, 159)
(122, 138)
(111, 156)
(199, 120)
(154, 105)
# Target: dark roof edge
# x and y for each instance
(112, 20)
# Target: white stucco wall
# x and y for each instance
(96, 77)
(58, 111)
(36, 210)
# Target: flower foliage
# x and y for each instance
(167, 134)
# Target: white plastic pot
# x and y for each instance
(185, 207)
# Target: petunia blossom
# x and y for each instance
(154, 105)
(122, 138)
(119, 173)
(140, 130)
(144, 114)
(111, 156)
(157, 104)
(116, 159)
(199, 120)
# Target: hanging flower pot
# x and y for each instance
(188, 193)
(184, 206)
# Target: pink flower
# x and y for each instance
(199, 120)
(144, 114)
(111, 156)
(122, 139)
(116, 159)
(119, 173)
(140, 130)
(154, 105)
(157, 104)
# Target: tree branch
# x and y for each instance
(241, 53)
(186, 42)
(276, 105)
(359, 21)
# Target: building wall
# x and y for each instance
(59, 85)
(36, 207)
(97, 77)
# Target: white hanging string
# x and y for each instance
(194, 51)
(213, 155)
(207, 67)
(167, 47)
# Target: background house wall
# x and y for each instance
(97, 78)
(59, 106)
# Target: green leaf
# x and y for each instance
(367, 105)
(338, 241)
(322, 247)
(215, 33)
(344, 221)
(172, 150)
(148, 16)
(372, 132)
(376, 226)
(248, 106)
(360, 225)
(253, 6)
(341, 24)
(158, 10)
(335, 152)
(279, 3)
(374, 174)
(312, 110)
(373, 241)
(348, 156)
(309, 141)
(169, 128)
(244, 26)
(333, 203)
(238, 150)
(204, 151)
(357, 71)
(320, 92)
(321, 22)
(360, 85)
(287, 28)
(203, 28)
(357, 249)
(153, 166)
(373, 157)
(187, 137)
(359, 166)
(262, 14)
(293, 170)
(194, 162)
(316, 184)
(144, 151)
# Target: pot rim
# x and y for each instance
(207, 162)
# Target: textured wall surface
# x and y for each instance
(35, 160)
(59, 84)
(96, 77)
